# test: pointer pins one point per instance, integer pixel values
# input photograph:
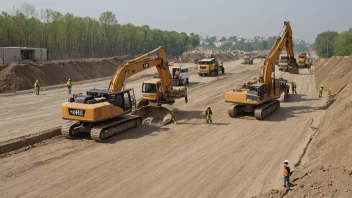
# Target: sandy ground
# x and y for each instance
(230, 158)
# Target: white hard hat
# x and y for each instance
(286, 161)
(321, 85)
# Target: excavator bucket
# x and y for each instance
(295, 69)
(302, 71)
(157, 115)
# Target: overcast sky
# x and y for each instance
(242, 18)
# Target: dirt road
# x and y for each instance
(25, 114)
(230, 158)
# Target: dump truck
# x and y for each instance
(248, 59)
(303, 60)
(208, 67)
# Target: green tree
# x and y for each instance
(68, 36)
(324, 43)
(223, 39)
(300, 46)
(343, 44)
(232, 38)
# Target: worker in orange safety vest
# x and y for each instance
(329, 94)
(286, 172)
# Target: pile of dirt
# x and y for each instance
(326, 169)
(22, 76)
(191, 57)
(318, 182)
(332, 143)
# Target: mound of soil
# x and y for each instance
(332, 143)
(326, 171)
(22, 76)
(319, 182)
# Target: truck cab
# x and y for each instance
(208, 67)
(283, 62)
(179, 75)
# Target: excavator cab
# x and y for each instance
(151, 90)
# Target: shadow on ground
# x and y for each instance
(284, 113)
(299, 98)
(197, 117)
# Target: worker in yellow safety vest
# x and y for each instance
(69, 86)
(209, 115)
(294, 87)
(321, 89)
(37, 87)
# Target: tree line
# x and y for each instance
(69, 36)
(256, 44)
(331, 43)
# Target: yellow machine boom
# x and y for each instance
(105, 112)
(261, 97)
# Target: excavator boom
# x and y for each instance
(156, 58)
(105, 112)
(285, 40)
(261, 97)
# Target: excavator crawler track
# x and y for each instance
(67, 130)
(234, 110)
(263, 111)
(102, 132)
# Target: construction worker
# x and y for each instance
(295, 87)
(69, 86)
(286, 172)
(329, 94)
(222, 67)
(292, 87)
(321, 91)
(209, 115)
(37, 87)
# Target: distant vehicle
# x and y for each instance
(208, 66)
(304, 60)
(179, 75)
(283, 62)
(248, 59)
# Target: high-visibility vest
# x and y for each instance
(36, 84)
(321, 89)
(329, 92)
(285, 172)
(69, 83)
(209, 112)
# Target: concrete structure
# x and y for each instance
(10, 55)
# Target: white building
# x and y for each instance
(22, 54)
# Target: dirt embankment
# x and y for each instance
(191, 57)
(327, 168)
(22, 76)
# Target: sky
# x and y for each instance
(241, 18)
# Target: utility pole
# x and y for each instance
(91, 42)
(327, 48)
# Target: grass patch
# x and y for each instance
(3, 67)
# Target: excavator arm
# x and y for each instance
(156, 58)
(285, 40)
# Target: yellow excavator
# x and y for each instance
(106, 112)
(262, 97)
